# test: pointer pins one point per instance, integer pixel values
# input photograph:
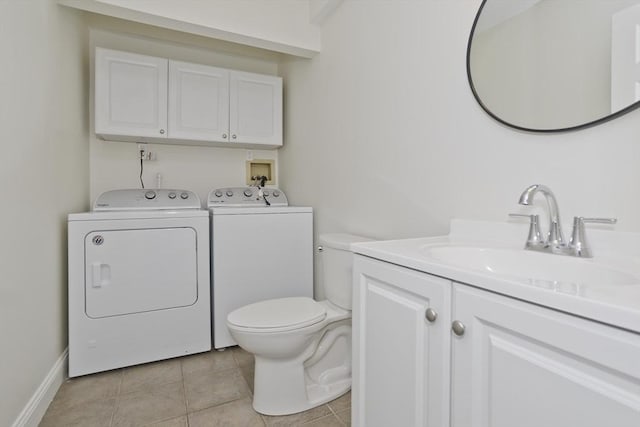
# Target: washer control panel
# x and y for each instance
(247, 197)
(146, 199)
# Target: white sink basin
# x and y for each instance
(540, 269)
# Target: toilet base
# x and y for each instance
(288, 400)
(320, 374)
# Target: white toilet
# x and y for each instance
(302, 347)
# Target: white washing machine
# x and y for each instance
(139, 287)
(259, 251)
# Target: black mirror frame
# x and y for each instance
(521, 128)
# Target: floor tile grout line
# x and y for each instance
(215, 405)
(142, 388)
(161, 421)
(225, 403)
(115, 406)
(184, 391)
(335, 415)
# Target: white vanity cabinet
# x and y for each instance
(401, 358)
(140, 98)
(515, 364)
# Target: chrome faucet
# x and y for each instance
(555, 238)
(554, 242)
(578, 245)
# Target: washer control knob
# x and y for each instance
(248, 192)
(184, 195)
(265, 192)
(276, 193)
(218, 193)
(150, 195)
(172, 195)
(229, 193)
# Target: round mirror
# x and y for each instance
(555, 65)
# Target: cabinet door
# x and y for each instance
(130, 94)
(198, 102)
(522, 365)
(400, 359)
(255, 109)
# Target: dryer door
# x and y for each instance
(133, 271)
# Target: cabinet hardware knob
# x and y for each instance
(233, 136)
(320, 248)
(224, 136)
(161, 131)
(458, 328)
(431, 315)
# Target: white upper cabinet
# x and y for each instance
(130, 94)
(256, 108)
(145, 99)
(198, 102)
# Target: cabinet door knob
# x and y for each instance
(458, 328)
(224, 136)
(233, 136)
(161, 131)
(431, 315)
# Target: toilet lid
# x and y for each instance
(281, 314)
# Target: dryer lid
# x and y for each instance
(280, 314)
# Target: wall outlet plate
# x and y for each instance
(144, 153)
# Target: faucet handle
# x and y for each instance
(578, 244)
(516, 215)
(534, 240)
(596, 220)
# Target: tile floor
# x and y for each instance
(208, 389)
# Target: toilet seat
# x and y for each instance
(278, 315)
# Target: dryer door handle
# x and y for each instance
(101, 274)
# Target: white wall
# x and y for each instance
(384, 137)
(44, 175)
(115, 164)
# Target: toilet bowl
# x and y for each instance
(302, 347)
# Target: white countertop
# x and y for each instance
(617, 305)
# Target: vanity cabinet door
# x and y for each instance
(400, 358)
(130, 94)
(518, 364)
(198, 102)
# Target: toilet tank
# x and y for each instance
(337, 262)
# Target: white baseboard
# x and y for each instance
(39, 402)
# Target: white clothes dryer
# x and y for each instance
(139, 287)
(260, 249)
